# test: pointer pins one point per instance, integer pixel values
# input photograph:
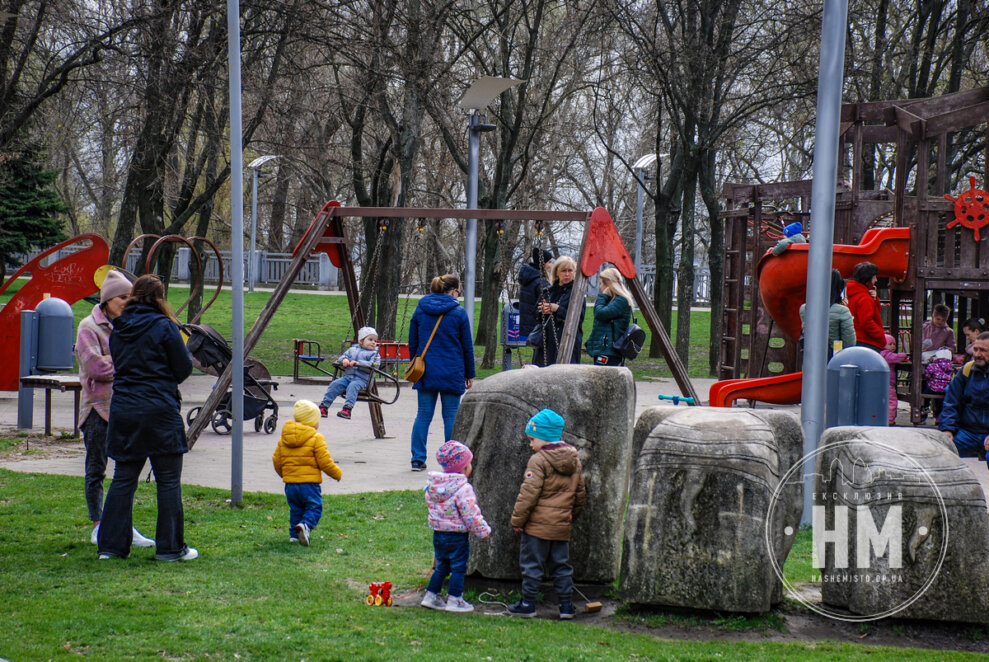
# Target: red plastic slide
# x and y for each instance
(783, 286)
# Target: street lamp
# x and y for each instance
(255, 166)
(639, 169)
(481, 92)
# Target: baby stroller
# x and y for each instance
(211, 351)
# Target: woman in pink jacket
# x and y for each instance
(96, 375)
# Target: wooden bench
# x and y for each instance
(62, 383)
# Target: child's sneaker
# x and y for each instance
(458, 604)
(344, 413)
(433, 601)
(566, 611)
(302, 532)
(323, 411)
(523, 609)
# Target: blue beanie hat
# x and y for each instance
(792, 229)
(546, 425)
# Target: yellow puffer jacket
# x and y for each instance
(301, 456)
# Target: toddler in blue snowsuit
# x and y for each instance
(355, 361)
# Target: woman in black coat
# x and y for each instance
(533, 282)
(150, 360)
(553, 313)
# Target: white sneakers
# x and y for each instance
(190, 554)
(432, 601)
(137, 541)
(302, 531)
(458, 604)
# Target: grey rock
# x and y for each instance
(598, 405)
(891, 471)
(702, 486)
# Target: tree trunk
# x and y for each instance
(685, 270)
(715, 256)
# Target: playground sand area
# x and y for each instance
(371, 464)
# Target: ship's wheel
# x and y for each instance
(971, 208)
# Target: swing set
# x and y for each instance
(600, 243)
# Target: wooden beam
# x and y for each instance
(656, 326)
(284, 285)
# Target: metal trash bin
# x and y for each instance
(858, 388)
(511, 333)
(55, 335)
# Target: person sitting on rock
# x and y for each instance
(965, 416)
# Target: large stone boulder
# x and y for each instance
(703, 483)
(598, 405)
(902, 526)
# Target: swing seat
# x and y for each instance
(381, 388)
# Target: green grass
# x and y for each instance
(326, 319)
(252, 596)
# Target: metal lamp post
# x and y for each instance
(481, 92)
(255, 167)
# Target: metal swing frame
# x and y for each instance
(601, 243)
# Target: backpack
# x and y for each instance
(629, 344)
(938, 375)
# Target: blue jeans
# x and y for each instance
(305, 505)
(449, 403)
(348, 384)
(538, 557)
(451, 550)
(116, 527)
(970, 444)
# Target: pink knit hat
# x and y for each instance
(454, 457)
(890, 339)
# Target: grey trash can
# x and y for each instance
(55, 336)
(858, 388)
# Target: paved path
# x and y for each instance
(368, 464)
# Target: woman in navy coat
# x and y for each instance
(150, 360)
(449, 360)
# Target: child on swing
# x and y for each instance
(355, 361)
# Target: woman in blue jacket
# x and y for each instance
(150, 360)
(449, 360)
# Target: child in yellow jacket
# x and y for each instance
(300, 459)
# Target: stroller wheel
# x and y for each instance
(222, 422)
(191, 415)
(258, 422)
(270, 423)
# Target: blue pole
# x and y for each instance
(470, 257)
(237, 258)
(822, 236)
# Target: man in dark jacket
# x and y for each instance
(965, 415)
(532, 283)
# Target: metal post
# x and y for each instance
(28, 359)
(822, 235)
(640, 196)
(237, 261)
(477, 127)
(251, 265)
(470, 258)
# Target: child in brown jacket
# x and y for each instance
(300, 459)
(551, 496)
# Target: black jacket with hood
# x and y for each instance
(150, 360)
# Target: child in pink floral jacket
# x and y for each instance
(453, 512)
(892, 358)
